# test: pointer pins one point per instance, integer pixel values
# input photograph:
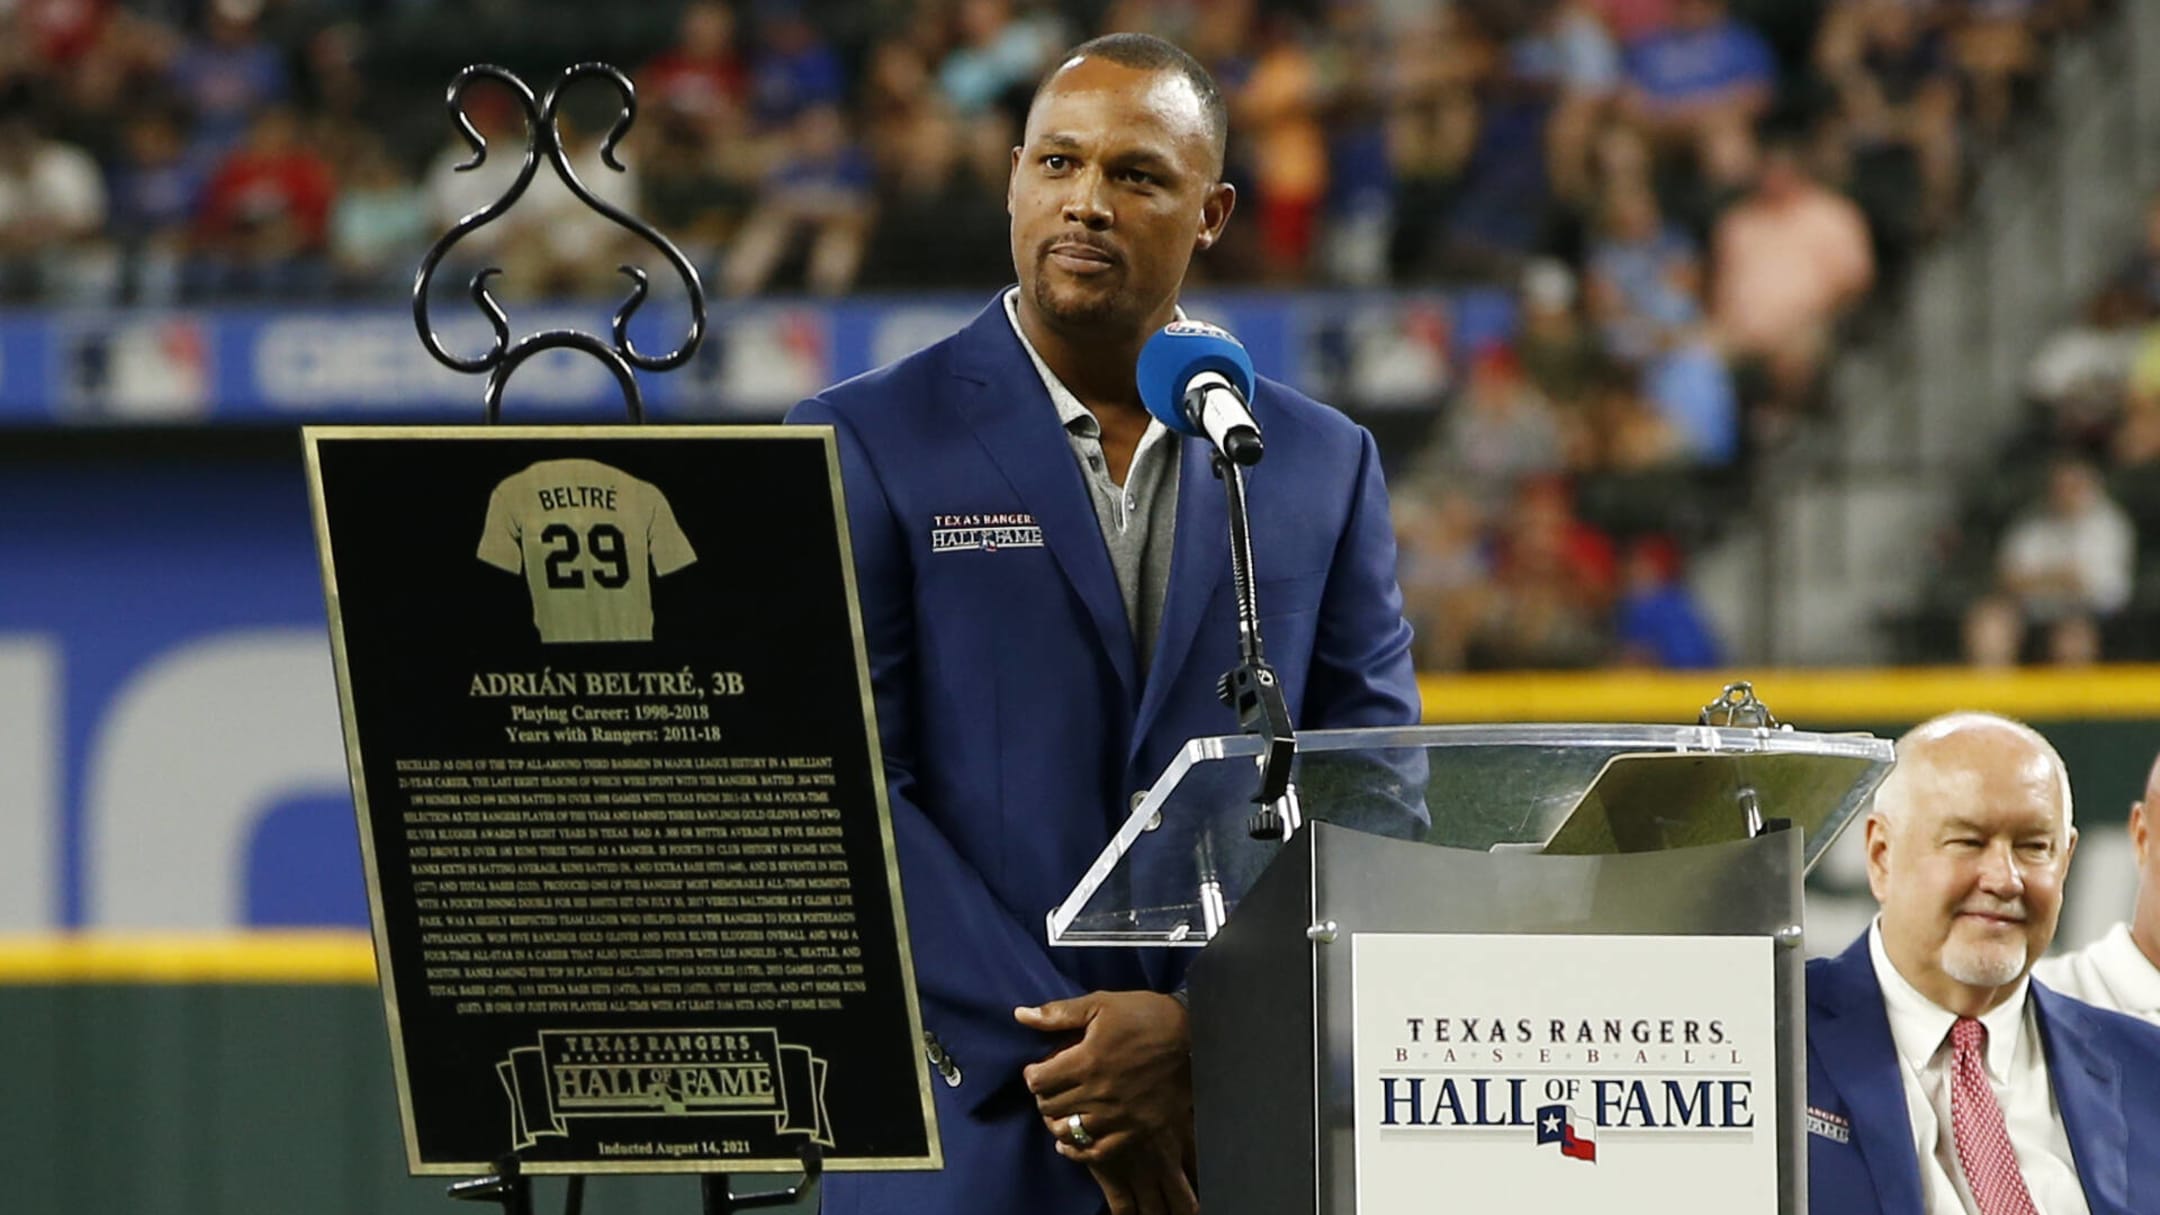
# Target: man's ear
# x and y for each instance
(1215, 214)
(1878, 856)
(1012, 177)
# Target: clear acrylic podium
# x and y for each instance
(1636, 830)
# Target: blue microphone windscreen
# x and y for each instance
(1182, 350)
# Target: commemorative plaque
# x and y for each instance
(614, 758)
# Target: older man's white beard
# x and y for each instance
(1985, 963)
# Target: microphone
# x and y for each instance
(1196, 379)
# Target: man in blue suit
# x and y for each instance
(1044, 580)
(1940, 1078)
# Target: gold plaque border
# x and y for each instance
(312, 437)
(838, 497)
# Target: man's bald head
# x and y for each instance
(1958, 747)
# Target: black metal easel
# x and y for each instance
(720, 1200)
(544, 137)
(510, 1185)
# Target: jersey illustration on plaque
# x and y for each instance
(583, 534)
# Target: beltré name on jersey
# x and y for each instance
(589, 540)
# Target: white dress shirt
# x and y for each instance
(2112, 972)
(2016, 1070)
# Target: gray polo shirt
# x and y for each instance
(1138, 518)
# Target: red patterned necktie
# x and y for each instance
(1976, 1121)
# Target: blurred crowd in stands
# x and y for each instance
(2057, 557)
(1690, 200)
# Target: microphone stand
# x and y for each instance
(1251, 688)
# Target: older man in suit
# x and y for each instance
(1028, 689)
(1941, 1080)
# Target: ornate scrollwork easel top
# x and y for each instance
(543, 137)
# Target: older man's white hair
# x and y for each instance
(1896, 793)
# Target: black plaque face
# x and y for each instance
(635, 901)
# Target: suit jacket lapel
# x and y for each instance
(1198, 558)
(1000, 395)
(2088, 1091)
(1851, 1043)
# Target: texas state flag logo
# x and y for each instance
(1561, 1125)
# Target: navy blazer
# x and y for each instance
(2103, 1066)
(1016, 722)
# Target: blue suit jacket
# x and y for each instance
(2104, 1068)
(1015, 720)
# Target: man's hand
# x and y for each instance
(1129, 1077)
(1150, 1180)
